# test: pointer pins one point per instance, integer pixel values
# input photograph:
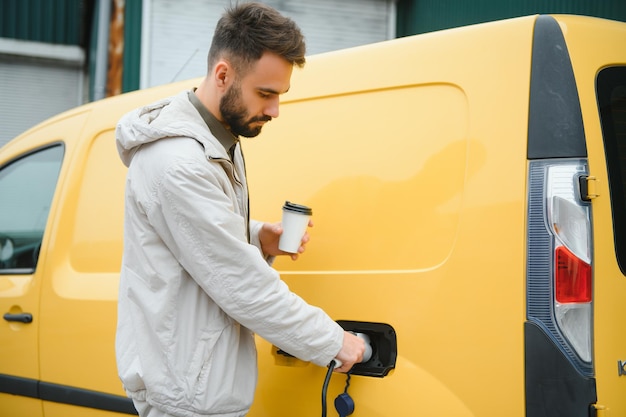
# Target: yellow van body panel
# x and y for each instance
(413, 155)
(412, 188)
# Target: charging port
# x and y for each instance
(384, 347)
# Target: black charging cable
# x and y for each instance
(329, 373)
(343, 403)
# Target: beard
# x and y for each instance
(235, 115)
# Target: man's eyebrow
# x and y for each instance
(271, 90)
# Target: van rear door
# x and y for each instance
(610, 241)
(599, 61)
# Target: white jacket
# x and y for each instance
(191, 285)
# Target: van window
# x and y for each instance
(26, 189)
(611, 91)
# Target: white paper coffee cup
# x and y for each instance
(295, 221)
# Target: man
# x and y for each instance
(196, 279)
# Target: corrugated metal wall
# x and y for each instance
(420, 16)
(50, 21)
(41, 60)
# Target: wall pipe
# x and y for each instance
(102, 49)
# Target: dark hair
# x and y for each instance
(246, 31)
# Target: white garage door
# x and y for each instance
(177, 33)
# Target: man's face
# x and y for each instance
(252, 101)
(236, 115)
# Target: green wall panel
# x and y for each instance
(420, 16)
(132, 46)
(50, 21)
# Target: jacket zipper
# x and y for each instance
(245, 206)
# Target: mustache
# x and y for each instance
(260, 119)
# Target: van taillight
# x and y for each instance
(559, 258)
(572, 281)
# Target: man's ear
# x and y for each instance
(223, 74)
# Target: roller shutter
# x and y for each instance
(37, 81)
(177, 33)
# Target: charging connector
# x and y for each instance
(367, 354)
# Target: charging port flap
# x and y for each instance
(384, 347)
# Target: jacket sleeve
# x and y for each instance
(196, 219)
(255, 227)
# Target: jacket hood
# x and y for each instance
(171, 117)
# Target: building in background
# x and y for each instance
(57, 54)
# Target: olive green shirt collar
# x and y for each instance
(223, 135)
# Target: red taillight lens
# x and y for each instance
(572, 278)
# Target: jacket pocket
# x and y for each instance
(226, 379)
(200, 362)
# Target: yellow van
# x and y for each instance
(469, 195)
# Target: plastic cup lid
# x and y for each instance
(298, 208)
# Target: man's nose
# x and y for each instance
(272, 108)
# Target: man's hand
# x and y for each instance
(269, 236)
(351, 352)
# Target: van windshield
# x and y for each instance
(611, 92)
